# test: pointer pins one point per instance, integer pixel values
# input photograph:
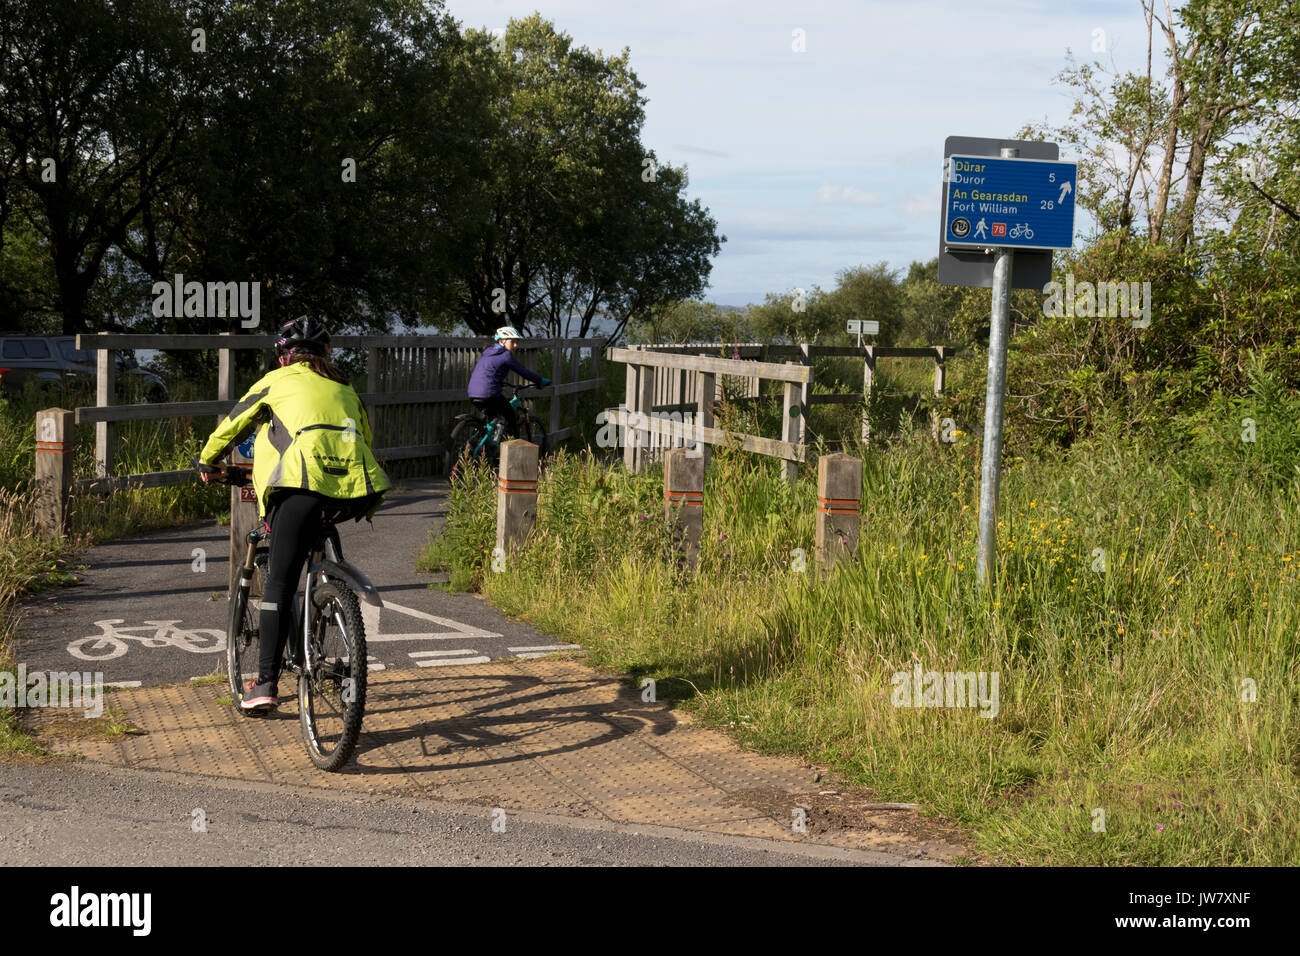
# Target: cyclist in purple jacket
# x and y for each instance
(490, 374)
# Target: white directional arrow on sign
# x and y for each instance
(1065, 189)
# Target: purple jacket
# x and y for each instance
(490, 372)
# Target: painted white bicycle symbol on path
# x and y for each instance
(112, 641)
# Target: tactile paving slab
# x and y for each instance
(547, 735)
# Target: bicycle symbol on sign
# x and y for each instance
(1021, 229)
(111, 642)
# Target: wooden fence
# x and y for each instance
(663, 379)
(415, 385)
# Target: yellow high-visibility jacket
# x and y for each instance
(316, 437)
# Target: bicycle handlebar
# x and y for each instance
(236, 475)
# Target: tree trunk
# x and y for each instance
(1165, 183)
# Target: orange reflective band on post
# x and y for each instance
(694, 499)
(57, 447)
(517, 486)
(839, 506)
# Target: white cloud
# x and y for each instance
(920, 206)
(829, 195)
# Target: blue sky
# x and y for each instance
(817, 161)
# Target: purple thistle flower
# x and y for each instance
(1160, 828)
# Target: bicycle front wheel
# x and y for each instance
(332, 690)
(242, 643)
(535, 433)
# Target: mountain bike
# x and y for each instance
(327, 644)
(476, 436)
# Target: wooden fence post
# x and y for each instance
(629, 404)
(575, 369)
(684, 501)
(795, 418)
(225, 374)
(556, 365)
(868, 376)
(55, 437)
(706, 386)
(516, 495)
(939, 377)
(105, 391)
(839, 507)
(646, 375)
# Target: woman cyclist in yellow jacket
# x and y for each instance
(311, 459)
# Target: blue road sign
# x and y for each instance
(1018, 203)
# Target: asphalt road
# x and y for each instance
(59, 814)
(150, 611)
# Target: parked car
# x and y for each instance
(56, 362)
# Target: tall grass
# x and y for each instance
(1124, 690)
(28, 560)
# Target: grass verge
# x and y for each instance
(1142, 626)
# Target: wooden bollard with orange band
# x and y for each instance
(54, 447)
(516, 497)
(839, 507)
(684, 500)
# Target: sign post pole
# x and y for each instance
(995, 395)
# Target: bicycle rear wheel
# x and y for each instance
(463, 441)
(332, 694)
(242, 642)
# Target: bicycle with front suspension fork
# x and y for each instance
(475, 436)
(327, 643)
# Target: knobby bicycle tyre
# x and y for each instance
(330, 721)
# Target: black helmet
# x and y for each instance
(303, 334)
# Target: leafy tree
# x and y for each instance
(796, 316)
(585, 221)
(927, 308)
(92, 107)
(867, 293)
(1231, 73)
(689, 321)
(340, 159)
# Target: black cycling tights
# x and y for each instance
(295, 518)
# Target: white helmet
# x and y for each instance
(507, 332)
